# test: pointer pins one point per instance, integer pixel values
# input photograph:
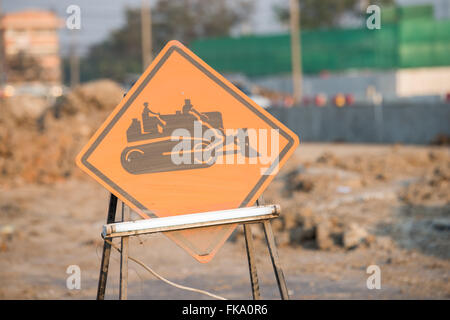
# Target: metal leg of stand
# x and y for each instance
(123, 290)
(251, 258)
(251, 262)
(106, 251)
(248, 241)
(275, 260)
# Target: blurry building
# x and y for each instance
(31, 46)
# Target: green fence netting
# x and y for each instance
(414, 40)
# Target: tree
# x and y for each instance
(183, 20)
(187, 20)
(326, 13)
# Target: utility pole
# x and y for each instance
(2, 53)
(146, 33)
(74, 60)
(296, 53)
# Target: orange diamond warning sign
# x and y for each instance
(185, 140)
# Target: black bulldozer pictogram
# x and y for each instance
(150, 143)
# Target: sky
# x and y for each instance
(100, 17)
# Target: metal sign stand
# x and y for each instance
(110, 232)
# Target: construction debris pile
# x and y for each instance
(345, 202)
(39, 140)
(432, 188)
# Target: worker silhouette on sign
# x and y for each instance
(153, 123)
(188, 108)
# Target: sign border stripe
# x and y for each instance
(102, 135)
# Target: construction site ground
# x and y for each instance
(344, 207)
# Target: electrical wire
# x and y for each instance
(179, 286)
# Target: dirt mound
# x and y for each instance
(38, 142)
(302, 226)
(433, 188)
(93, 96)
(325, 200)
(21, 111)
